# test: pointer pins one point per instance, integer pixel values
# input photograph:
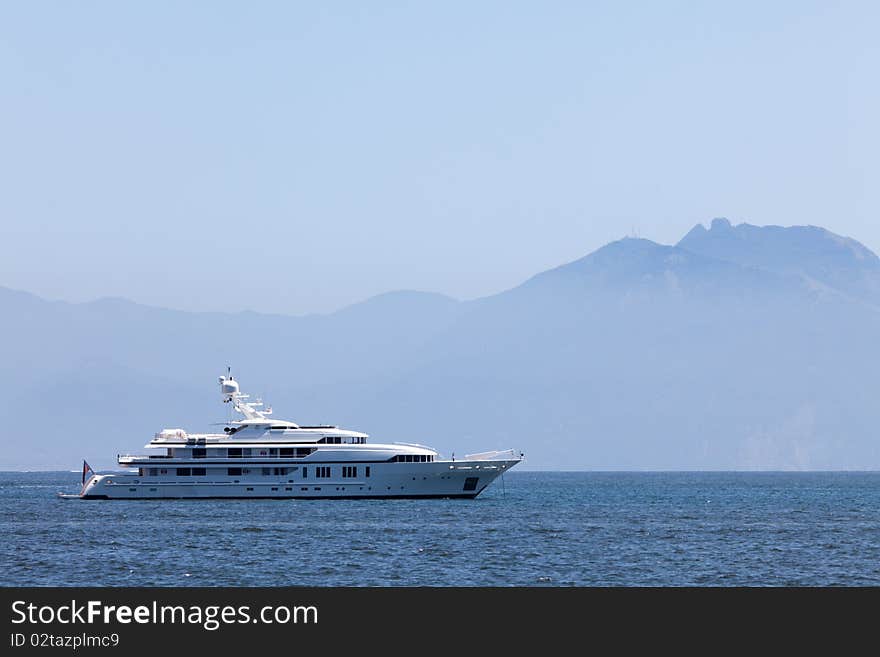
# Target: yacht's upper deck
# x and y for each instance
(256, 427)
(250, 433)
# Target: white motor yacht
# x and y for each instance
(261, 457)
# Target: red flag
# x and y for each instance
(86, 470)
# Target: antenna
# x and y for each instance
(251, 409)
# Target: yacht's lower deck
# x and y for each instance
(447, 479)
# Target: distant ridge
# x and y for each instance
(740, 347)
(812, 252)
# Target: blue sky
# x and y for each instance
(296, 157)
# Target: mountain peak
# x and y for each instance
(621, 253)
(721, 224)
(630, 265)
(811, 252)
(766, 243)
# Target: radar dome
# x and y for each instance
(228, 387)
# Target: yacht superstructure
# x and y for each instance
(261, 457)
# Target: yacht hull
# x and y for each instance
(439, 479)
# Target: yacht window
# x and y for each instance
(305, 473)
(368, 471)
(234, 452)
(183, 472)
(286, 452)
(199, 472)
(233, 472)
(199, 452)
(154, 472)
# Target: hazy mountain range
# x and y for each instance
(740, 347)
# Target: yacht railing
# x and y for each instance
(154, 457)
(502, 455)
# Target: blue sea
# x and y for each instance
(532, 529)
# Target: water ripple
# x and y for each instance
(549, 529)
